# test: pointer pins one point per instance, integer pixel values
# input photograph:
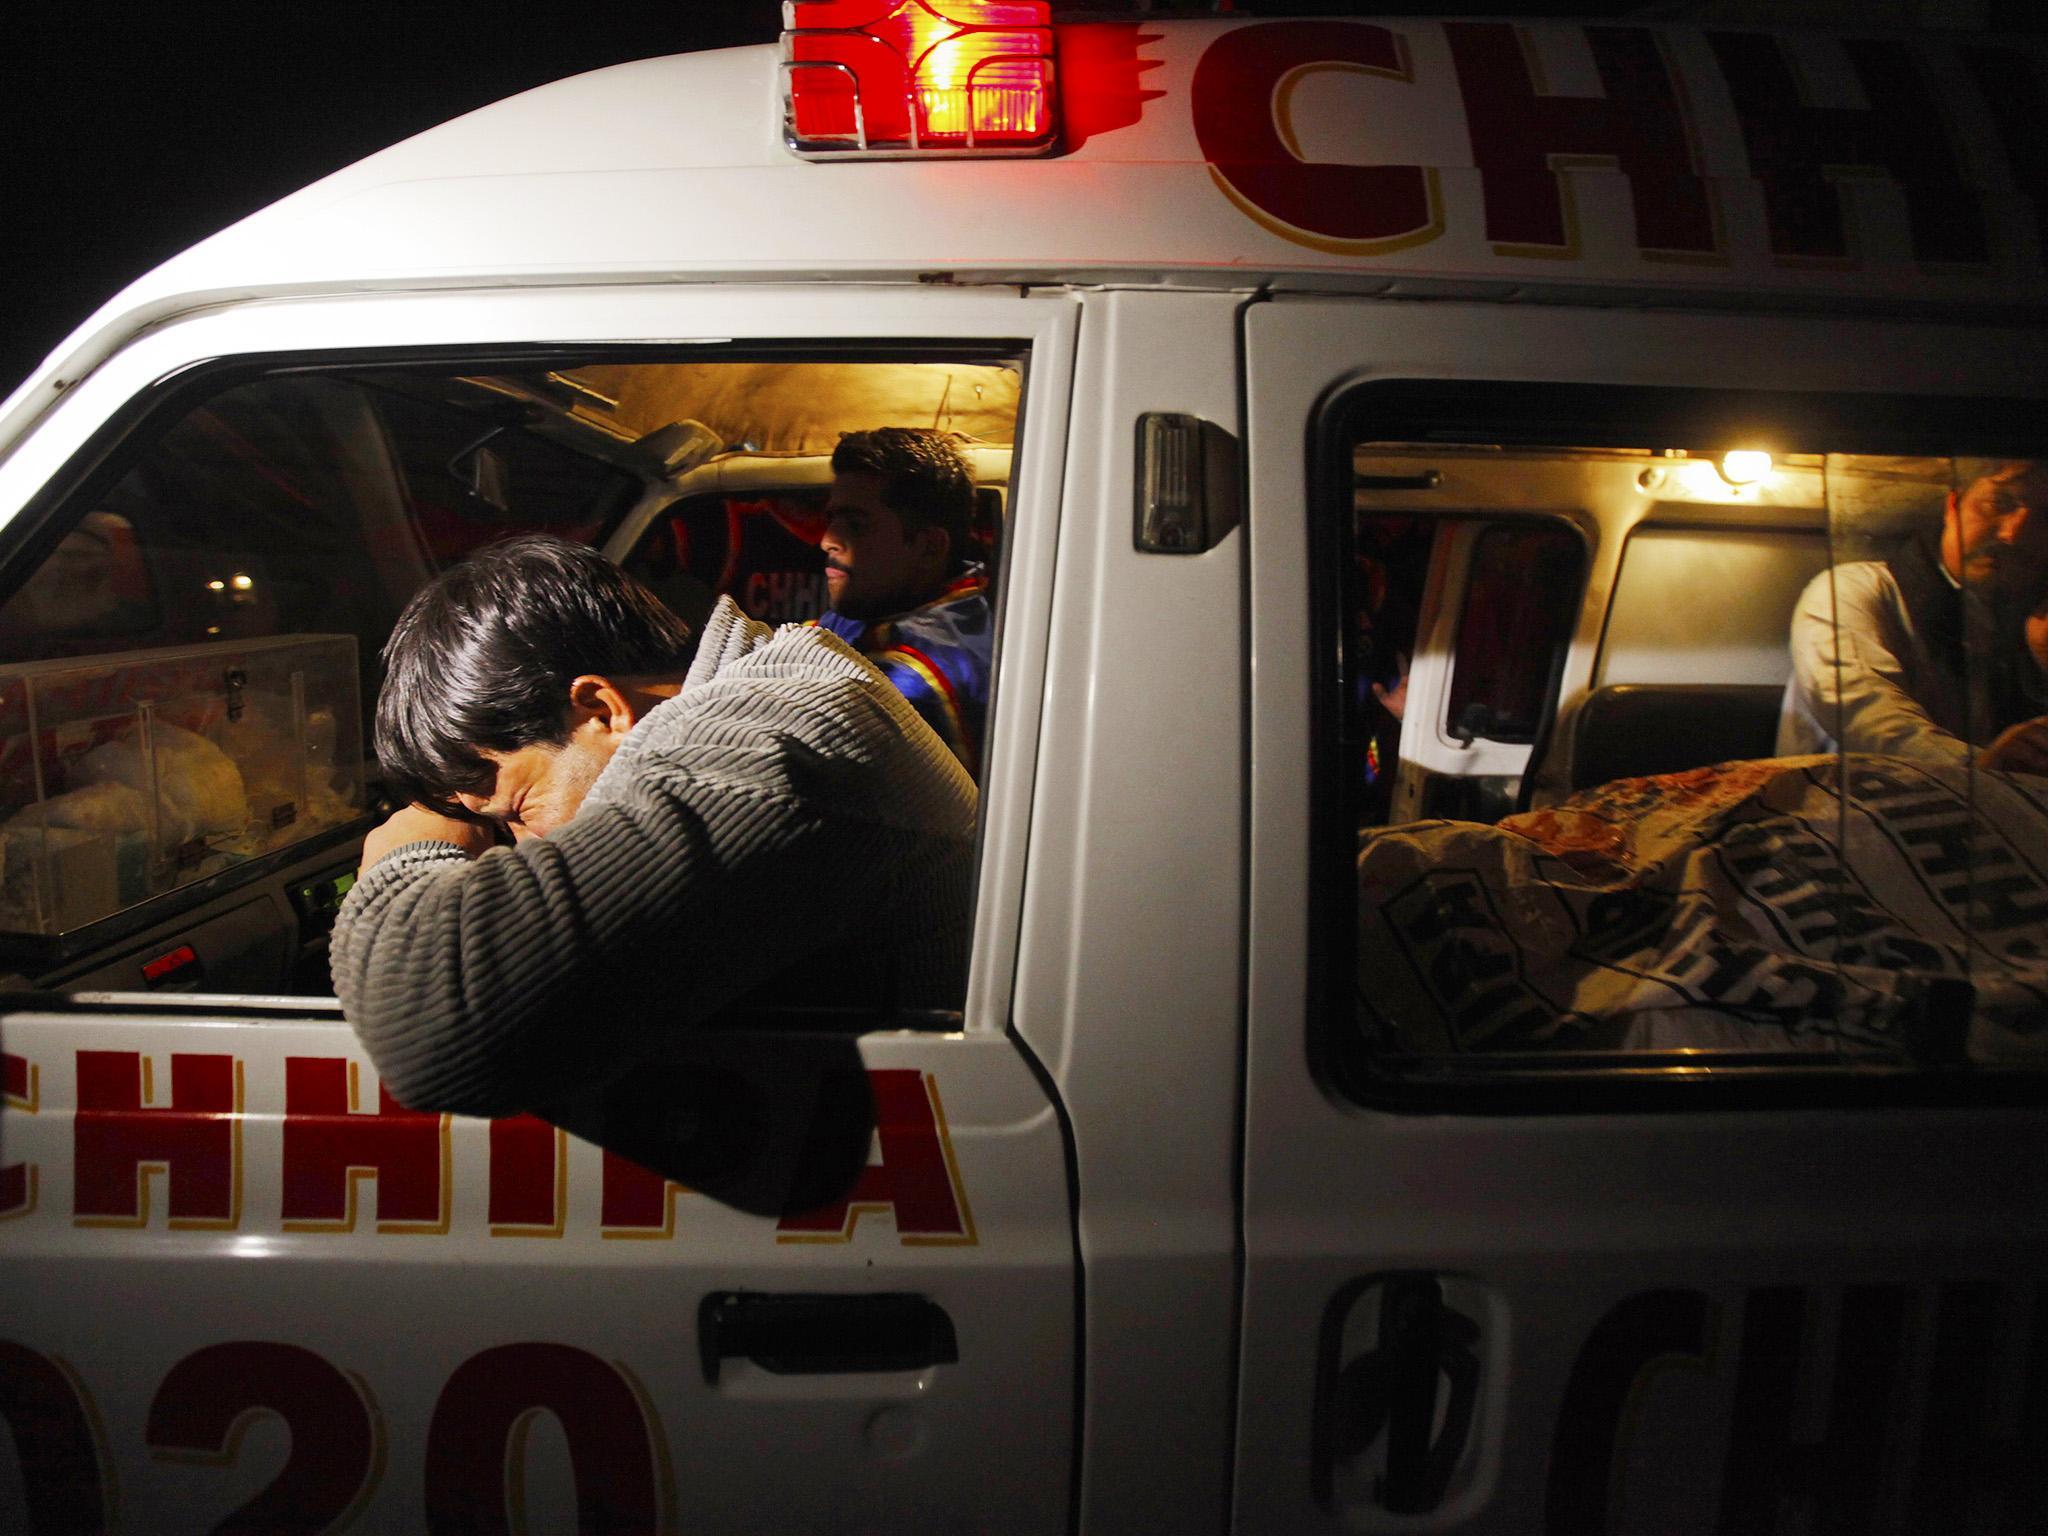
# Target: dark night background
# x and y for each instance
(125, 136)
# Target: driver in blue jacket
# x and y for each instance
(903, 590)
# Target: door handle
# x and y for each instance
(795, 1335)
(1413, 1395)
(1423, 1340)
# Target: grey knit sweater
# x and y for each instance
(784, 810)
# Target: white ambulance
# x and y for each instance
(1430, 1061)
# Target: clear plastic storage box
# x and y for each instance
(125, 776)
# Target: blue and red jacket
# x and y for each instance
(937, 654)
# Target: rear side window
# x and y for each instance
(1642, 756)
(1512, 626)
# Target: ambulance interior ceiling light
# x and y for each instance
(1744, 466)
(1706, 480)
(1742, 476)
(918, 77)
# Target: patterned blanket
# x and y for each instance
(1750, 906)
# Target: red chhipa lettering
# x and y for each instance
(638, 1202)
(1241, 113)
(1800, 153)
(119, 1139)
(17, 1180)
(1523, 138)
(330, 1148)
(916, 1182)
(529, 1178)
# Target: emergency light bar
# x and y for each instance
(897, 78)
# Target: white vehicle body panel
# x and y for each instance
(538, 1311)
(1131, 921)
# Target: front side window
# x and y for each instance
(1648, 756)
(189, 662)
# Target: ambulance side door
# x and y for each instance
(1512, 1266)
(810, 1272)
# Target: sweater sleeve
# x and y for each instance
(694, 873)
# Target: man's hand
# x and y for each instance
(1394, 700)
(417, 824)
(2022, 748)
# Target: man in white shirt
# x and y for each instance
(1934, 655)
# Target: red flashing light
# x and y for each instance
(897, 77)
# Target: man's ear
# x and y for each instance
(599, 703)
(933, 543)
(1952, 536)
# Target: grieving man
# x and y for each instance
(1936, 652)
(689, 819)
(903, 591)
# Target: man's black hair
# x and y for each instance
(483, 656)
(925, 479)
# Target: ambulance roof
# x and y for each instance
(1634, 163)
